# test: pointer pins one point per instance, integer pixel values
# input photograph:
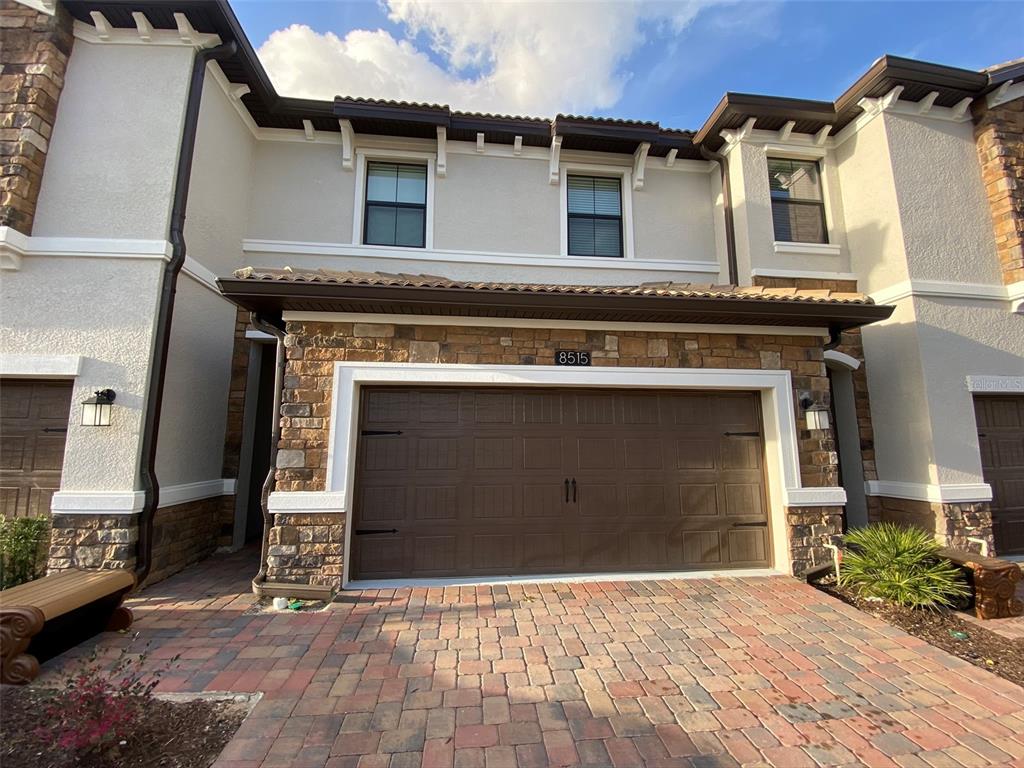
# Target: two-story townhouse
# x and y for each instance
(480, 346)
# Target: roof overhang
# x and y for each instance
(272, 298)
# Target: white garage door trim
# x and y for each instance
(784, 488)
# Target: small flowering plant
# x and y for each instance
(99, 703)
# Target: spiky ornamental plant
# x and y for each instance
(900, 565)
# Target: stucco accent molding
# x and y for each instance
(816, 497)
(299, 502)
(841, 360)
(131, 502)
(801, 273)
(436, 256)
(40, 366)
(941, 289)
(995, 384)
(947, 493)
(808, 249)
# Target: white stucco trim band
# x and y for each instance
(948, 493)
(995, 384)
(40, 366)
(808, 249)
(775, 388)
(15, 243)
(131, 502)
(477, 257)
(311, 502)
(942, 289)
(516, 322)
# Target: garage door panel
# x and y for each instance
(1000, 420)
(748, 545)
(33, 431)
(387, 407)
(493, 502)
(699, 500)
(436, 502)
(646, 498)
(702, 547)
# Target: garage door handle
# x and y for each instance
(365, 531)
(378, 432)
(750, 525)
(742, 434)
(567, 490)
(574, 490)
(55, 429)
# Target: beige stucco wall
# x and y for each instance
(674, 215)
(300, 193)
(103, 310)
(943, 210)
(959, 338)
(496, 204)
(874, 230)
(111, 161)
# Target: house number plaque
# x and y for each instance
(568, 357)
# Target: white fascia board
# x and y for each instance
(476, 257)
(477, 321)
(946, 493)
(40, 366)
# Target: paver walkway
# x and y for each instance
(753, 671)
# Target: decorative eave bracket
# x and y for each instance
(441, 166)
(640, 164)
(348, 144)
(556, 151)
(734, 136)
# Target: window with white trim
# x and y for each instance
(594, 216)
(798, 208)
(395, 212)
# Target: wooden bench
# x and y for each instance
(993, 582)
(49, 615)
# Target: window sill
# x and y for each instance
(808, 249)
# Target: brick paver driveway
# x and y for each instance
(662, 673)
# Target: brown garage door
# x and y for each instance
(33, 427)
(1001, 436)
(461, 482)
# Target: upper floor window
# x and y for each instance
(396, 204)
(595, 216)
(798, 210)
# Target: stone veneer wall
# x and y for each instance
(999, 134)
(182, 534)
(310, 548)
(34, 51)
(952, 524)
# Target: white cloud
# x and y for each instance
(526, 57)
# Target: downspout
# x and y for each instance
(165, 312)
(730, 231)
(275, 436)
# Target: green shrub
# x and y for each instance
(901, 565)
(24, 543)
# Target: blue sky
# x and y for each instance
(665, 61)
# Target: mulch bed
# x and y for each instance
(169, 734)
(982, 648)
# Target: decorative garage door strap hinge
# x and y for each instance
(742, 434)
(365, 531)
(750, 525)
(378, 432)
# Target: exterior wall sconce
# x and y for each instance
(96, 409)
(815, 413)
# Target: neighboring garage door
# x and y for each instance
(33, 428)
(1001, 436)
(475, 482)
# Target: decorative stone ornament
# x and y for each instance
(96, 409)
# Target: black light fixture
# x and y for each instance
(96, 409)
(815, 413)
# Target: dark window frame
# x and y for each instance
(787, 201)
(367, 203)
(593, 217)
